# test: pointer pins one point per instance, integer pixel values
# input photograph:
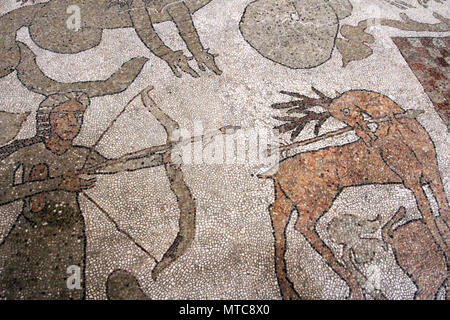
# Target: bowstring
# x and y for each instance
(102, 135)
(108, 216)
(117, 226)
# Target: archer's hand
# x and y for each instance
(73, 183)
(167, 157)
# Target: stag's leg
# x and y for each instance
(414, 136)
(405, 163)
(427, 157)
(429, 219)
(280, 212)
(412, 180)
(439, 193)
(310, 210)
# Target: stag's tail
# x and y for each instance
(269, 174)
(387, 231)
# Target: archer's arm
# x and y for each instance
(102, 165)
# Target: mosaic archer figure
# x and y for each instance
(49, 234)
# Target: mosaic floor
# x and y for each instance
(224, 149)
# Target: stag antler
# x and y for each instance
(297, 124)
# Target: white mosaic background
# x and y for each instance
(232, 255)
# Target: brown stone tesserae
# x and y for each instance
(224, 150)
(399, 151)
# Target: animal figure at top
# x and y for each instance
(49, 27)
(298, 34)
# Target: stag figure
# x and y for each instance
(400, 151)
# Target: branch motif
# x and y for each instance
(355, 45)
(297, 124)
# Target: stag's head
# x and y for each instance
(345, 108)
(349, 108)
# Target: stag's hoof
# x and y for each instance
(356, 294)
(288, 292)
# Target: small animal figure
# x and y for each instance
(360, 246)
(418, 255)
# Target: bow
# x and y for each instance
(29, 73)
(185, 200)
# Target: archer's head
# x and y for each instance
(61, 115)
